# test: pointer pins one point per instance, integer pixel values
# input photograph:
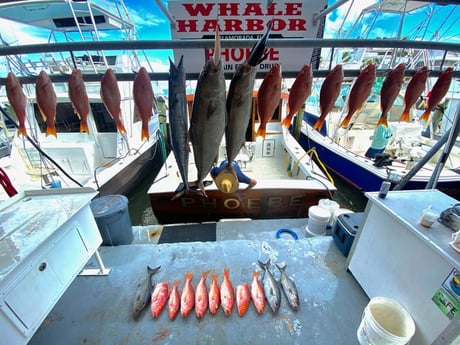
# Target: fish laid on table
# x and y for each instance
(187, 299)
(143, 100)
(174, 301)
(289, 288)
(178, 120)
(143, 292)
(389, 91)
(330, 90)
(414, 90)
(214, 295)
(439, 90)
(359, 92)
(239, 99)
(271, 287)
(268, 98)
(79, 99)
(257, 293)
(46, 102)
(300, 91)
(243, 297)
(201, 296)
(207, 124)
(160, 296)
(111, 97)
(227, 295)
(18, 101)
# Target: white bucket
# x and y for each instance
(330, 205)
(385, 322)
(318, 219)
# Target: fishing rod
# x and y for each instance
(37, 147)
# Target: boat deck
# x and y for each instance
(97, 310)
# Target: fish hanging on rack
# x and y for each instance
(79, 99)
(46, 102)
(389, 91)
(414, 90)
(143, 100)
(268, 98)
(110, 94)
(300, 91)
(439, 90)
(18, 101)
(330, 90)
(359, 93)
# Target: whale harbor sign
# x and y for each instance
(245, 20)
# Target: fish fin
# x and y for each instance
(261, 132)
(282, 268)
(287, 121)
(84, 127)
(152, 271)
(226, 273)
(51, 130)
(264, 265)
(256, 274)
(121, 128)
(188, 275)
(318, 124)
(22, 131)
(145, 134)
(382, 121)
(425, 116)
(405, 116)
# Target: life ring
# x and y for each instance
(288, 231)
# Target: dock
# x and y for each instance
(98, 309)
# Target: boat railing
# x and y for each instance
(149, 46)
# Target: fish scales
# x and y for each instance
(439, 90)
(178, 119)
(143, 100)
(414, 90)
(268, 98)
(160, 296)
(79, 99)
(289, 288)
(18, 101)
(257, 293)
(111, 97)
(46, 102)
(207, 123)
(389, 91)
(143, 292)
(201, 296)
(271, 288)
(174, 301)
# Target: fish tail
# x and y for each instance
(261, 132)
(382, 121)
(188, 275)
(345, 122)
(425, 116)
(282, 268)
(226, 273)
(176, 284)
(318, 124)
(84, 127)
(151, 270)
(22, 131)
(264, 265)
(145, 134)
(205, 274)
(121, 128)
(256, 274)
(405, 116)
(287, 121)
(51, 130)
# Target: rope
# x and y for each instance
(6, 184)
(313, 151)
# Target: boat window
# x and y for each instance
(103, 120)
(66, 119)
(12, 114)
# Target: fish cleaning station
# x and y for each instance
(251, 243)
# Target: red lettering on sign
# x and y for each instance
(187, 25)
(233, 25)
(209, 25)
(255, 25)
(230, 9)
(299, 24)
(253, 9)
(293, 9)
(196, 9)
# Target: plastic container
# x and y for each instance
(428, 217)
(318, 220)
(112, 219)
(385, 322)
(345, 230)
(332, 206)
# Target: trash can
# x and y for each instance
(112, 219)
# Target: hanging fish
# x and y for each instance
(18, 101)
(46, 102)
(160, 297)
(268, 98)
(178, 119)
(143, 100)
(201, 296)
(300, 91)
(187, 299)
(239, 98)
(271, 288)
(389, 91)
(79, 99)
(143, 292)
(207, 124)
(257, 293)
(174, 301)
(214, 295)
(359, 92)
(289, 288)
(414, 90)
(110, 94)
(328, 94)
(227, 295)
(439, 90)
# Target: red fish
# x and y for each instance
(414, 90)
(201, 296)
(328, 94)
(243, 297)
(214, 295)
(300, 91)
(143, 100)
(439, 90)
(359, 92)
(110, 94)
(18, 101)
(187, 299)
(46, 101)
(79, 99)
(268, 98)
(159, 298)
(389, 91)
(174, 301)
(227, 295)
(257, 293)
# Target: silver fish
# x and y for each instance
(239, 99)
(271, 287)
(143, 292)
(178, 119)
(289, 288)
(207, 124)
